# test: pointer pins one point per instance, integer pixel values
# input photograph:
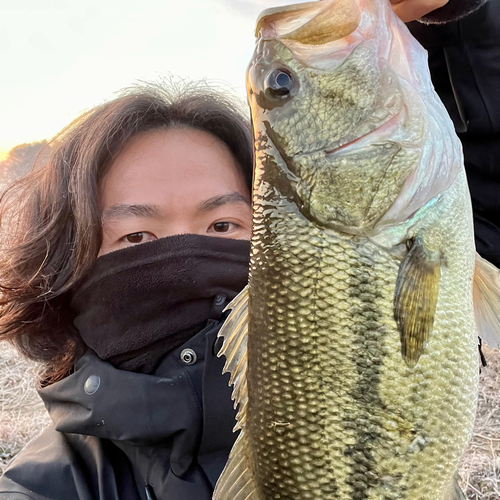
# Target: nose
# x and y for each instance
(311, 23)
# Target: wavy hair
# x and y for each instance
(50, 220)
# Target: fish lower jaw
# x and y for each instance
(351, 232)
(340, 230)
(344, 231)
(383, 133)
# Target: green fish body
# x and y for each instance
(334, 411)
(353, 350)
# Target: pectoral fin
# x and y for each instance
(487, 301)
(237, 479)
(415, 299)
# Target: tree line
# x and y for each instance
(19, 162)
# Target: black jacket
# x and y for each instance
(464, 60)
(137, 437)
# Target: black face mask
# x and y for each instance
(137, 304)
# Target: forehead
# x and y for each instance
(161, 164)
(169, 146)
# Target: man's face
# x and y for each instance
(168, 182)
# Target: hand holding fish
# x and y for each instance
(410, 10)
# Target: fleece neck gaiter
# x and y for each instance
(137, 304)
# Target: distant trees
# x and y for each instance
(19, 162)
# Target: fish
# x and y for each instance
(353, 350)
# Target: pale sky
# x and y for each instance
(60, 57)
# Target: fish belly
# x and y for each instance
(333, 411)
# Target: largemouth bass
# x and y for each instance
(353, 350)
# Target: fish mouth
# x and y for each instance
(310, 23)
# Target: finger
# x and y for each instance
(409, 10)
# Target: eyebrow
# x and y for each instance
(222, 199)
(117, 212)
(123, 211)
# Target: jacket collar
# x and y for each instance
(103, 401)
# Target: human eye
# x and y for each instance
(138, 238)
(223, 227)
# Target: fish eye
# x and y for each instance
(279, 83)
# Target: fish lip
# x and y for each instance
(279, 10)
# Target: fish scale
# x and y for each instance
(333, 410)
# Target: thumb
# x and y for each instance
(409, 10)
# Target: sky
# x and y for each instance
(59, 57)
